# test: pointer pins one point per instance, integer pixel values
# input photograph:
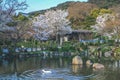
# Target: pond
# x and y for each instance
(59, 68)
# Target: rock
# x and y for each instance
(77, 60)
(108, 54)
(98, 66)
(88, 62)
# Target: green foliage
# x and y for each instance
(89, 20)
(11, 24)
(33, 14)
(76, 23)
(117, 53)
(67, 46)
(20, 17)
(103, 11)
(117, 50)
(96, 12)
(36, 13)
(5, 42)
(105, 48)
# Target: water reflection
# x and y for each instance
(113, 71)
(21, 65)
(76, 68)
(61, 68)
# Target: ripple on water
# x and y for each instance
(57, 74)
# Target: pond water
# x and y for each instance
(59, 68)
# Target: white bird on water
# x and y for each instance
(46, 72)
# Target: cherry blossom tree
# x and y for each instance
(113, 26)
(8, 8)
(101, 27)
(108, 25)
(52, 23)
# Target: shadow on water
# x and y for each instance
(60, 68)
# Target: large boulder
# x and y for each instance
(77, 60)
(98, 66)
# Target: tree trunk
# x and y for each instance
(61, 40)
(58, 40)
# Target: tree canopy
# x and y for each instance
(51, 24)
(8, 8)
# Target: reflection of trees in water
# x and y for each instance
(4, 66)
(99, 74)
(112, 72)
(57, 62)
(24, 64)
(117, 64)
(82, 70)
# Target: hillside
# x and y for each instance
(105, 3)
(79, 12)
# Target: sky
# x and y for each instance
(35, 5)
